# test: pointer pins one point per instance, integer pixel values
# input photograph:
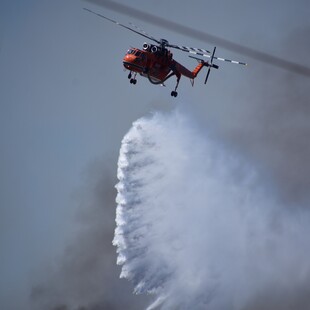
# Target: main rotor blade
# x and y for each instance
(205, 37)
(193, 50)
(144, 34)
(202, 52)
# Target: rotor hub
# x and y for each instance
(164, 43)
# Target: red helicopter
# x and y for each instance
(155, 61)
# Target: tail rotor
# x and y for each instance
(211, 65)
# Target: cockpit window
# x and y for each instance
(135, 52)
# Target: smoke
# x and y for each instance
(198, 228)
(85, 277)
(269, 123)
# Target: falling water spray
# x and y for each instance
(196, 227)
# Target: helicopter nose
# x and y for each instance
(132, 63)
(130, 58)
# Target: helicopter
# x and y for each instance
(156, 62)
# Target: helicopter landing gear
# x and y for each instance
(132, 80)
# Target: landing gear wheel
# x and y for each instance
(133, 81)
(174, 93)
(129, 75)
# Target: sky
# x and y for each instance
(65, 105)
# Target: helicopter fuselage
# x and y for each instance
(153, 64)
(157, 64)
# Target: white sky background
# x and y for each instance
(65, 102)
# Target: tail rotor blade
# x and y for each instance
(210, 65)
(207, 75)
(213, 55)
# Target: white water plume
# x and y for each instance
(196, 228)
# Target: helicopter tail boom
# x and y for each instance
(187, 73)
